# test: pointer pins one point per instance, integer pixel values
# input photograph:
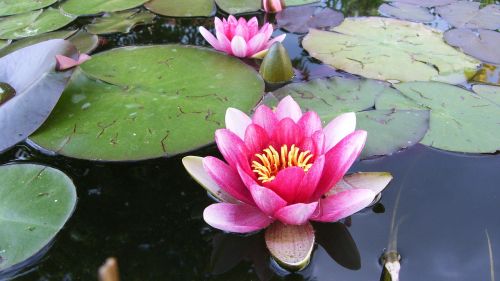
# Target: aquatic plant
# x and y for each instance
(64, 62)
(273, 6)
(239, 37)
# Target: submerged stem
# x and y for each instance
(490, 250)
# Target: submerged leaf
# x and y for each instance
(338, 243)
(120, 22)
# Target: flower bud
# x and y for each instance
(273, 6)
(277, 66)
(6, 92)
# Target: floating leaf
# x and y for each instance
(185, 8)
(239, 6)
(377, 48)
(300, 19)
(149, 104)
(35, 203)
(468, 15)
(491, 93)
(31, 72)
(92, 7)
(299, 2)
(460, 120)
(120, 22)
(4, 43)
(425, 3)
(13, 7)
(25, 42)
(338, 243)
(290, 245)
(33, 23)
(85, 42)
(482, 44)
(406, 12)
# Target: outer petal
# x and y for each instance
(310, 180)
(287, 132)
(64, 62)
(227, 179)
(343, 204)
(287, 183)
(310, 123)
(237, 121)
(256, 139)
(339, 128)
(232, 148)
(288, 108)
(296, 214)
(210, 38)
(247, 179)
(239, 46)
(338, 161)
(265, 118)
(256, 44)
(236, 218)
(267, 201)
(253, 26)
(276, 39)
(224, 43)
(219, 25)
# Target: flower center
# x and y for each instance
(270, 162)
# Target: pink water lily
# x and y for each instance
(64, 62)
(282, 165)
(239, 37)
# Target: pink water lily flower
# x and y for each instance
(239, 37)
(64, 62)
(282, 165)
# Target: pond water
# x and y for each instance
(148, 214)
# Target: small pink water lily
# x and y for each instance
(273, 6)
(64, 62)
(282, 165)
(239, 37)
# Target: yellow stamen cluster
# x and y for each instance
(272, 161)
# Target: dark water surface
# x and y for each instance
(149, 214)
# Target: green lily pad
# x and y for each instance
(35, 203)
(186, 8)
(85, 42)
(154, 101)
(299, 2)
(25, 42)
(465, 14)
(92, 7)
(120, 22)
(388, 131)
(460, 121)
(491, 93)
(33, 23)
(239, 6)
(4, 43)
(14, 7)
(377, 48)
(406, 12)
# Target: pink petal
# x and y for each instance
(338, 128)
(267, 30)
(253, 26)
(232, 148)
(276, 39)
(247, 178)
(287, 132)
(83, 58)
(310, 180)
(256, 44)
(237, 121)
(239, 46)
(236, 218)
(265, 118)
(310, 123)
(338, 161)
(287, 183)
(242, 30)
(219, 25)
(227, 178)
(267, 201)
(343, 204)
(256, 139)
(296, 214)
(209, 37)
(318, 139)
(64, 62)
(288, 108)
(224, 43)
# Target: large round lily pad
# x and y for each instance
(460, 120)
(35, 203)
(152, 101)
(92, 7)
(388, 130)
(489, 92)
(185, 8)
(33, 23)
(300, 19)
(31, 72)
(13, 7)
(425, 3)
(378, 48)
(239, 6)
(120, 22)
(467, 14)
(406, 12)
(482, 44)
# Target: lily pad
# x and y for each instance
(120, 22)
(92, 7)
(239, 6)
(388, 131)
(299, 2)
(406, 12)
(33, 23)
(35, 203)
(185, 8)
(31, 72)
(25, 42)
(468, 15)
(85, 42)
(4, 43)
(425, 3)
(149, 104)
(482, 44)
(377, 48)
(460, 121)
(290, 245)
(14, 7)
(491, 93)
(300, 19)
